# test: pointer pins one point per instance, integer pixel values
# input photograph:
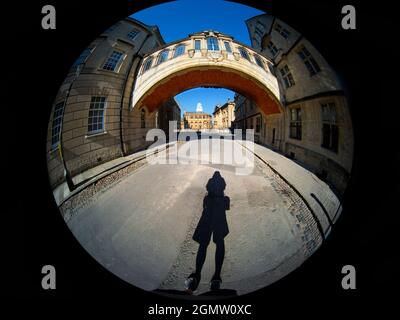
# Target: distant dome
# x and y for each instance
(199, 107)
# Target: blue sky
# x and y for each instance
(177, 19)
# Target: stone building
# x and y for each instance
(249, 116)
(224, 115)
(196, 120)
(169, 111)
(315, 127)
(91, 122)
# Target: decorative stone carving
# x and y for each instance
(236, 55)
(215, 56)
(191, 53)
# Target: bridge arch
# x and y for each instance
(198, 62)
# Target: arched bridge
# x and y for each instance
(206, 59)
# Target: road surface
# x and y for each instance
(141, 229)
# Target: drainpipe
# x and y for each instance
(137, 54)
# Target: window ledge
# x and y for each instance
(90, 135)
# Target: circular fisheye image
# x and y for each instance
(200, 157)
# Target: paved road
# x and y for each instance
(141, 229)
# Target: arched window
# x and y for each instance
(143, 118)
(244, 53)
(259, 61)
(179, 50)
(212, 44)
(163, 56)
(147, 64)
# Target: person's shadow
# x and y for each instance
(212, 223)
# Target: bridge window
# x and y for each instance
(197, 45)
(212, 44)
(272, 48)
(228, 46)
(96, 115)
(143, 118)
(56, 124)
(244, 53)
(295, 123)
(287, 76)
(258, 61)
(163, 56)
(330, 129)
(113, 61)
(271, 68)
(132, 35)
(147, 64)
(309, 61)
(282, 31)
(179, 50)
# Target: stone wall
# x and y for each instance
(309, 92)
(80, 148)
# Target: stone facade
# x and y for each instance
(224, 116)
(91, 122)
(169, 111)
(121, 86)
(196, 120)
(315, 126)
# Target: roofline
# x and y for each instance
(218, 33)
(223, 106)
(259, 15)
(150, 28)
(188, 38)
(248, 29)
(164, 46)
(198, 112)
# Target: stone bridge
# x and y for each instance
(206, 59)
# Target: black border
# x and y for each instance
(364, 235)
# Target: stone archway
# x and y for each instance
(210, 76)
